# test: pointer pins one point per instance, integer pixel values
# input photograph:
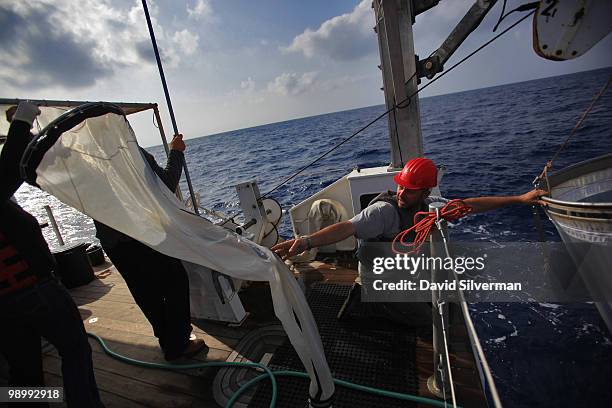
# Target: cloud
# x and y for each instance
(35, 56)
(346, 37)
(247, 94)
(48, 43)
(292, 83)
(345, 81)
(200, 11)
(248, 85)
(187, 41)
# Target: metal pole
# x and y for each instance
(166, 148)
(394, 21)
(162, 133)
(482, 364)
(437, 384)
(58, 235)
(168, 101)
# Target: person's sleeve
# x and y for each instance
(172, 173)
(373, 221)
(436, 199)
(16, 141)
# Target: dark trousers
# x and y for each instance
(47, 310)
(160, 287)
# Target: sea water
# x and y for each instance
(493, 141)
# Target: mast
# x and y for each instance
(169, 102)
(394, 19)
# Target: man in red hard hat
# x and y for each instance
(380, 218)
(392, 212)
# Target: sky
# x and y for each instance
(232, 64)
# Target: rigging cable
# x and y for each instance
(446, 353)
(501, 15)
(397, 105)
(549, 164)
(471, 329)
(522, 7)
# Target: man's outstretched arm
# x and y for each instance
(327, 236)
(482, 204)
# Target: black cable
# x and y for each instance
(275, 223)
(329, 151)
(472, 53)
(399, 145)
(522, 7)
(582, 118)
(501, 16)
(399, 105)
(340, 144)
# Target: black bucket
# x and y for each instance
(95, 255)
(73, 265)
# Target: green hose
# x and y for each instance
(160, 366)
(268, 374)
(358, 387)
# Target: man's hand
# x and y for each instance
(533, 197)
(177, 143)
(290, 248)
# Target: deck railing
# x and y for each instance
(441, 382)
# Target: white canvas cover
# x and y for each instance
(98, 169)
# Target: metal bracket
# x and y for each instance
(253, 209)
(435, 62)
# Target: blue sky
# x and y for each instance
(235, 63)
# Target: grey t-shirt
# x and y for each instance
(381, 219)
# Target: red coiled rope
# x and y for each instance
(452, 211)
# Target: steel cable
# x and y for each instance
(397, 105)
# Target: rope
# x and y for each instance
(549, 164)
(452, 211)
(154, 123)
(398, 105)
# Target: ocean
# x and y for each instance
(493, 141)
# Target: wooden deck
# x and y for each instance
(108, 310)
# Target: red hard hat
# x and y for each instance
(418, 173)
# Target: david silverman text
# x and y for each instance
(424, 284)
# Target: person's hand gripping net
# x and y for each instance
(290, 248)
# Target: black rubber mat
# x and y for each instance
(363, 351)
